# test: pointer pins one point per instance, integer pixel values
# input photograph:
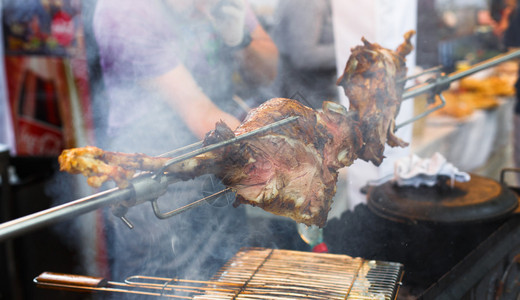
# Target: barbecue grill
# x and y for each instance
(259, 273)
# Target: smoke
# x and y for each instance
(132, 118)
(123, 48)
(189, 245)
(304, 38)
(130, 43)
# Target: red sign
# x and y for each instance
(36, 138)
(62, 28)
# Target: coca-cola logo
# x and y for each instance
(38, 141)
(62, 28)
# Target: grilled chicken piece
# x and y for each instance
(100, 166)
(373, 82)
(290, 170)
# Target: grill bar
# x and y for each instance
(300, 275)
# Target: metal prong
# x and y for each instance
(226, 142)
(436, 69)
(424, 114)
(127, 222)
(444, 81)
(185, 148)
(184, 208)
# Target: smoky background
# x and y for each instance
(182, 242)
(182, 245)
(192, 245)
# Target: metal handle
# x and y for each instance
(52, 279)
(506, 170)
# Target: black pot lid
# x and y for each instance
(480, 199)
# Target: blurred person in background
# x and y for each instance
(383, 22)
(170, 69)
(302, 31)
(500, 12)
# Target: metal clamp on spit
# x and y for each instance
(439, 84)
(436, 85)
(161, 173)
(150, 187)
(145, 187)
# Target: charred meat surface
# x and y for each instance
(289, 170)
(373, 82)
(292, 171)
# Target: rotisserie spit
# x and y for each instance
(146, 188)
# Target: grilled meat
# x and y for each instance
(373, 82)
(100, 166)
(290, 170)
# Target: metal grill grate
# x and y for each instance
(258, 273)
(284, 274)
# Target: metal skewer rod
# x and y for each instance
(436, 69)
(441, 83)
(423, 114)
(227, 142)
(171, 153)
(62, 212)
(142, 188)
(446, 80)
(160, 215)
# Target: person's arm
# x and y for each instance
(181, 92)
(501, 26)
(303, 31)
(259, 60)
(234, 20)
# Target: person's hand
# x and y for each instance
(228, 18)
